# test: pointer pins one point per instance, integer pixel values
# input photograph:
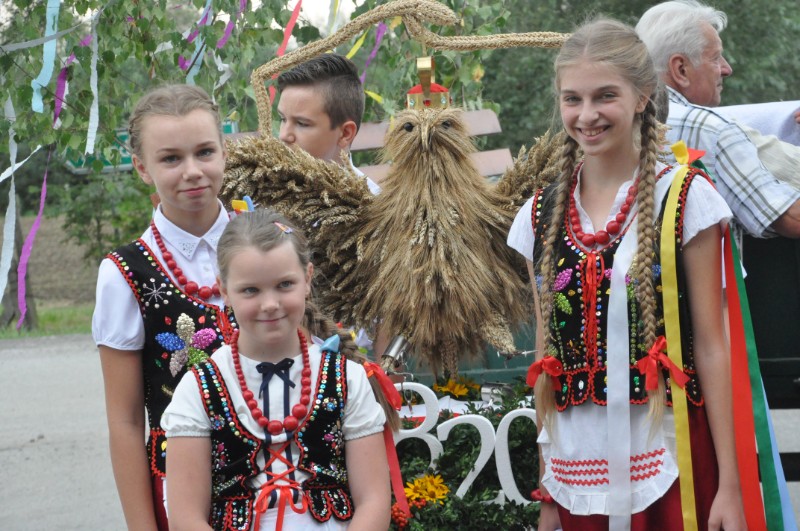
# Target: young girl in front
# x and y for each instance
(158, 309)
(290, 428)
(607, 438)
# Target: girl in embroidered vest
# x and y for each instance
(607, 442)
(158, 309)
(291, 429)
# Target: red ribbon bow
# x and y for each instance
(648, 366)
(387, 386)
(548, 364)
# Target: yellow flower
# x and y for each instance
(428, 487)
(469, 383)
(452, 388)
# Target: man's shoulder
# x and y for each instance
(685, 114)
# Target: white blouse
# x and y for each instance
(117, 320)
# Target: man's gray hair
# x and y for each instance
(676, 27)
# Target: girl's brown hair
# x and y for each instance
(169, 100)
(264, 230)
(612, 43)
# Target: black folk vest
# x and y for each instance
(320, 439)
(578, 325)
(166, 355)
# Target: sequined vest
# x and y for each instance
(578, 326)
(179, 330)
(320, 439)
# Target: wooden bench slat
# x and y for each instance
(493, 162)
(479, 123)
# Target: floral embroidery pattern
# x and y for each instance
(186, 346)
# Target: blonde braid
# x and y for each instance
(645, 288)
(545, 401)
(323, 326)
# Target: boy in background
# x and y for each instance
(320, 108)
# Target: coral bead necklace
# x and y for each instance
(613, 227)
(189, 286)
(299, 410)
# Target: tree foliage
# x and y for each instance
(141, 44)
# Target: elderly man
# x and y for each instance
(683, 38)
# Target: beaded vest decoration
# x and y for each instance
(579, 320)
(179, 329)
(319, 438)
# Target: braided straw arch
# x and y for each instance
(414, 14)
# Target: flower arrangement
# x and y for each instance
(431, 493)
(462, 388)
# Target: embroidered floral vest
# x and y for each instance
(579, 320)
(319, 437)
(179, 331)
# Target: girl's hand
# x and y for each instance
(548, 517)
(726, 512)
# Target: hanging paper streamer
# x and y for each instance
(61, 85)
(94, 113)
(287, 33)
(357, 45)
(333, 14)
(48, 56)
(8, 238)
(375, 96)
(194, 65)
(27, 247)
(231, 23)
(10, 221)
(379, 33)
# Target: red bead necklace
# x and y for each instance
(190, 286)
(613, 227)
(299, 410)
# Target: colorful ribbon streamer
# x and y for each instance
(379, 33)
(194, 65)
(94, 113)
(48, 55)
(357, 45)
(673, 334)
(287, 33)
(231, 23)
(744, 421)
(27, 247)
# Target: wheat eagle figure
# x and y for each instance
(427, 257)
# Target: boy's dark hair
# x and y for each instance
(337, 77)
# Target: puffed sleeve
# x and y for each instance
(363, 415)
(117, 321)
(185, 415)
(520, 236)
(704, 207)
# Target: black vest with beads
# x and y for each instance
(320, 440)
(580, 346)
(169, 348)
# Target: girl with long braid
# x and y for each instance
(608, 456)
(281, 428)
